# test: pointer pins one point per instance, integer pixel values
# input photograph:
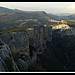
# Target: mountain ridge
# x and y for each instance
(7, 13)
(69, 17)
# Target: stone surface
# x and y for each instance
(5, 53)
(25, 44)
(20, 41)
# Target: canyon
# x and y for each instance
(26, 44)
(34, 41)
(51, 49)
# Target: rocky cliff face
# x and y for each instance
(20, 41)
(23, 47)
(64, 42)
(53, 50)
(59, 55)
(6, 59)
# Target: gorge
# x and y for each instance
(34, 41)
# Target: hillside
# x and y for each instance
(70, 17)
(5, 10)
(10, 14)
(12, 19)
(24, 15)
(54, 16)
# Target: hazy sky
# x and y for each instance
(49, 7)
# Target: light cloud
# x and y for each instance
(71, 6)
(52, 7)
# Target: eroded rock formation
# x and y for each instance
(26, 45)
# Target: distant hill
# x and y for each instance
(10, 14)
(41, 16)
(63, 14)
(54, 16)
(24, 15)
(5, 10)
(16, 10)
(70, 17)
(16, 14)
(8, 18)
(58, 17)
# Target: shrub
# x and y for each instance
(35, 68)
(16, 56)
(9, 64)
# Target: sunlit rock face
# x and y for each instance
(61, 26)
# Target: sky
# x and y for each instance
(49, 7)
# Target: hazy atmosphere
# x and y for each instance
(49, 7)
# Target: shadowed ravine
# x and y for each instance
(44, 46)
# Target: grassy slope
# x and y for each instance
(71, 23)
(18, 30)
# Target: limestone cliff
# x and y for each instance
(61, 26)
(27, 45)
(53, 50)
(59, 54)
(6, 59)
(20, 41)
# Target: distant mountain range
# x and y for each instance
(63, 14)
(12, 14)
(5, 10)
(70, 17)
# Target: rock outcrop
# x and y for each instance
(61, 26)
(59, 55)
(20, 41)
(26, 45)
(53, 50)
(6, 59)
